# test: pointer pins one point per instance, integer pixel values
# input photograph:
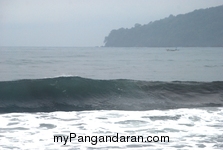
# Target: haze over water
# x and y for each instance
(151, 64)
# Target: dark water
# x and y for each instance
(76, 93)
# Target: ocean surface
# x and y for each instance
(50, 94)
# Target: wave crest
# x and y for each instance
(76, 93)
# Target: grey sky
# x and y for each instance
(81, 22)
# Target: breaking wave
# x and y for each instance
(77, 94)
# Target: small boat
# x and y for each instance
(172, 49)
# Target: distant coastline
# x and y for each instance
(200, 28)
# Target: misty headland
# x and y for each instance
(200, 28)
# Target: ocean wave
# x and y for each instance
(77, 94)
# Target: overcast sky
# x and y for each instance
(81, 22)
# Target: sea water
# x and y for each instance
(47, 92)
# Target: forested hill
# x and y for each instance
(200, 28)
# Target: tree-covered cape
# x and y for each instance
(200, 28)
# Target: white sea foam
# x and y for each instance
(186, 128)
